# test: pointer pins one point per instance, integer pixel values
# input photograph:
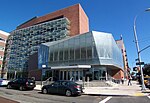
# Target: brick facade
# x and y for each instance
(76, 15)
(121, 45)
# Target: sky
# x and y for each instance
(110, 16)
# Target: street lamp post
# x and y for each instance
(138, 50)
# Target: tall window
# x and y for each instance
(89, 52)
(60, 55)
(95, 52)
(77, 53)
(60, 46)
(51, 56)
(56, 56)
(83, 53)
(71, 54)
(66, 54)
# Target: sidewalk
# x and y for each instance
(119, 89)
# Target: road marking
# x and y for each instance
(138, 94)
(148, 97)
(105, 100)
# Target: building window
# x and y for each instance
(1, 57)
(55, 56)
(2, 39)
(72, 54)
(83, 53)
(77, 53)
(2, 48)
(95, 52)
(89, 52)
(60, 55)
(51, 56)
(66, 55)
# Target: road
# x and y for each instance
(126, 99)
(37, 97)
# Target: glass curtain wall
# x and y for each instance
(25, 42)
(93, 48)
(74, 51)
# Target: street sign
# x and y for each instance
(140, 63)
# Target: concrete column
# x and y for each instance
(52, 73)
(92, 73)
(66, 74)
(78, 75)
(70, 75)
(63, 75)
(82, 74)
(59, 74)
(75, 75)
(106, 75)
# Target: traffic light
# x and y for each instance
(134, 68)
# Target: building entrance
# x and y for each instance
(73, 74)
(100, 74)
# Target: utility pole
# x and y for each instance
(138, 51)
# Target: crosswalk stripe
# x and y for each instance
(105, 100)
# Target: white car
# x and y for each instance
(3, 82)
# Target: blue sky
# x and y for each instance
(112, 16)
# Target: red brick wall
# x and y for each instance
(83, 21)
(1, 53)
(2, 44)
(117, 74)
(35, 73)
(75, 14)
(33, 70)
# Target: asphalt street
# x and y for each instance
(37, 97)
(126, 99)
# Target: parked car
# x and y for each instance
(22, 84)
(3, 82)
(67, 88)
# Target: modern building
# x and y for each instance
(3, 38)
(126, 70)
(60, 45)
(83, 55)
(25, 40)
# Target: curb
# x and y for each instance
(104, 94)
